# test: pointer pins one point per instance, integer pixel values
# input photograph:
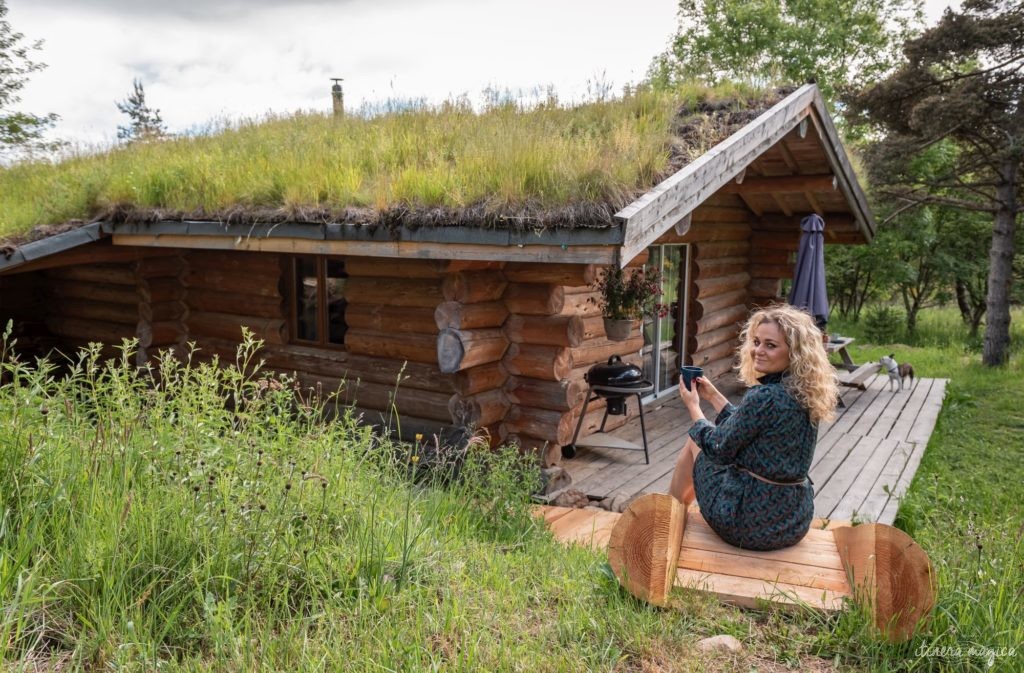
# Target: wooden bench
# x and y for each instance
(657, 544)
(858, 376)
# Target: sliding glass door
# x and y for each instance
(665, 336)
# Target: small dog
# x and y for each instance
(897, 372)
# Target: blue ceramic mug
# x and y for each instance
(689, 373)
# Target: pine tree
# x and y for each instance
(963, 83)
(146, 123)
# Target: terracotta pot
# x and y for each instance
(618, 330)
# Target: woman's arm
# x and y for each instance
(723, 441)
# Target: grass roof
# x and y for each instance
(443, 165)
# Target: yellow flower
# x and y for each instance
(415, 459)
(419, 436)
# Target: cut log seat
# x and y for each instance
(657, 544)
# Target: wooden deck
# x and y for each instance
(864, 462)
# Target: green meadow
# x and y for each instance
(195, 518)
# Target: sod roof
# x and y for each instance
(505, 167)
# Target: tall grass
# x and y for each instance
(964, 506)
(448, 155)
(193, 512)
(146, 522)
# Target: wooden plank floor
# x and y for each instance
(864, 461)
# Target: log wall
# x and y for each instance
(555, 334)
(771, 262)
(163, 313)
(720, 278)
(90, 303)
(471, 345)
(22, 303)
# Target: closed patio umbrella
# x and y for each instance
(808, 290)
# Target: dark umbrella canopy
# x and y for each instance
(809, 277)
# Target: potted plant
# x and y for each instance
(627, 296)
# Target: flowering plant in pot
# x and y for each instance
(627, 296)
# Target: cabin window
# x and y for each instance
(318, 300)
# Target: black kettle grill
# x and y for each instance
(616, 374)
(615, 381)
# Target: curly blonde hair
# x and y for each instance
(812, 379)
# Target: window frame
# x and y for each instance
(322, 324)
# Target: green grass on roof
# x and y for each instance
(441, 157)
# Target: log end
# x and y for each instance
(892, 576)
(644, 546)
(450, 351)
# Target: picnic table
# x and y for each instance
(852, 375)
(838, 344)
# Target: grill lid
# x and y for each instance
(615, 373)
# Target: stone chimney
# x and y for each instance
(338, 97)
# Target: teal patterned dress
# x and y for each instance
(771, 435)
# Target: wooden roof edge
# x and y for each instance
(570, 245)
(51, 245)
(651, 215)
(846, 178)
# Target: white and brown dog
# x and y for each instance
(896, 372)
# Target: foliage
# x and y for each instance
(882, 324)
(145, 122)
(786, 41)
(963, 507)
(109, 563)
(17, 129)
(629, 295)
(962, 80)
(851, 276)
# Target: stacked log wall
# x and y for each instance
(720, 275)
(22, 305)
(471, 345)
(163, 313)
(555, 335)
(773, 252)
(92, 303)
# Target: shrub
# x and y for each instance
(883, 324)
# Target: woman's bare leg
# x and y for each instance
(681, 487)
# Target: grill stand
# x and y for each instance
(600, 440)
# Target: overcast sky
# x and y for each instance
(202, 60)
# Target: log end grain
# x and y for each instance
(644, 546)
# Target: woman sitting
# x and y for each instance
(748, 470)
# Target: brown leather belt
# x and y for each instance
(772, 481)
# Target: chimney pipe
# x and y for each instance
(338, 97)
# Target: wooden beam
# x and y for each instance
(650, 215)
(573, 254)
(781, 204)
(846, 178)
(782, 184)
(787, 156)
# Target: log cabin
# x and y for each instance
(457, 316)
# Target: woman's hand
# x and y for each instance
(691, 399)
(709, 392)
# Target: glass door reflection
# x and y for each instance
(665, 336)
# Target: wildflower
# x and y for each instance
(415, 459)
(419, 436)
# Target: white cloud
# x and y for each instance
(203, 60)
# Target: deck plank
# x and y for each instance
(860, 487)
(845, 446)
(874, 505)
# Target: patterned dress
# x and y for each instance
(771, 435)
